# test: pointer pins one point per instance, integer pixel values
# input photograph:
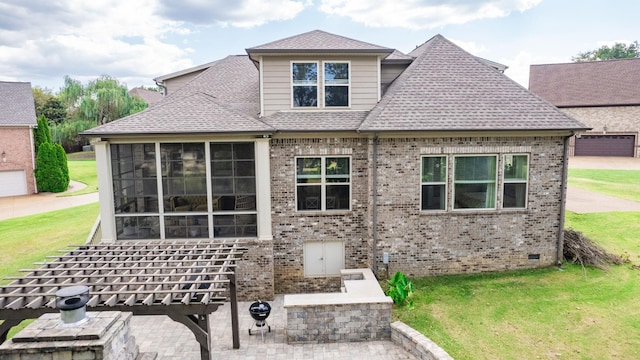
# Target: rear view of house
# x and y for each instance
(323, 152)
(604, 95)
(17, 155)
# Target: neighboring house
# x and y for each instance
(604, 95)
(17, 155)
(149, 96)
(323, 152)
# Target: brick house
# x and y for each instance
(17, 154)
(604, 95)
(324, 152)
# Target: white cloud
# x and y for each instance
(423, 14)
(519, 66)
(85, 39)
(242, 13)
(470, 46)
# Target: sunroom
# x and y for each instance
(184, 189)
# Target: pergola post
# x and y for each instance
(234, 309)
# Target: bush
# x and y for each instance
(50, 173)
(400, 289)
(41, 134)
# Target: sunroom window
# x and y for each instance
(516, 172)
(474, 182)
(323, 183)
(434, 183)
(304, 81)
(336, 84)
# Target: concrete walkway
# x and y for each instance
(583, 201)
(173, 341)
(17, 206)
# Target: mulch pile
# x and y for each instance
(580, 249)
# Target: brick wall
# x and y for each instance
(426, 243)
(419, 243)
(16, 143)
(254, 273)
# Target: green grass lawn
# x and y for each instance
(84, 171)
(573, 313)
(619, 183)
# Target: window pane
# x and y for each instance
(179, 227)
(305, 96)
(242, 225)
(138, 227)
(134, 177)
(308, 197)
(336, 73)
(336, 166)
(474, 196)
(433, 197)
(475, 168)
(337, 197)
(304, 73)
(336, 96)
(515, 167)
(308, 170)
(434, 169)
(515, 195)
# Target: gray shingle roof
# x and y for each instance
(316, 120)
(448, 89)
(318, 41)
(233, 81)
(190, 114)
(16, 104)
(595, 83)
(150, 97)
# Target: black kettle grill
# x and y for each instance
(260, 311)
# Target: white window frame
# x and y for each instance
(494, 182)
(324, 84)
(309, 255)
(319, 72)
(323, 181)
(515, 181)
(427, 183)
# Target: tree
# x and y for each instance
(50, 172)
(102, 100)
(54, 111)
(40, 98)
(41, 134)
(617, 51)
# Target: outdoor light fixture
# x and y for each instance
(4, 156)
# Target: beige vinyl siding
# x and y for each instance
(277, 82)
(173, 84)
(389, 72)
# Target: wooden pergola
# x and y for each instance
(185, 280)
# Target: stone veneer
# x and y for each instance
(360, 312)
(417, 344)
(105, 336)
(419, 243)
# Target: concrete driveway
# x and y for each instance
(583, 201)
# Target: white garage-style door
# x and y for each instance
(13, 183)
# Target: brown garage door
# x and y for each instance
(605, 145)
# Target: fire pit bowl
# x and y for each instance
(260, 311)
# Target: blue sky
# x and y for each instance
(41, 41)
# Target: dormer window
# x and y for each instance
(336, 84)
(328, 89)
(304, 80)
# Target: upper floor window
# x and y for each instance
(434, 183)
(304, 81)
(336, 84)
(474, 182)
(323, 183)
(516, 173)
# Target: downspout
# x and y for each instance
(33, 158)
(565, 171)
(374, 204)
